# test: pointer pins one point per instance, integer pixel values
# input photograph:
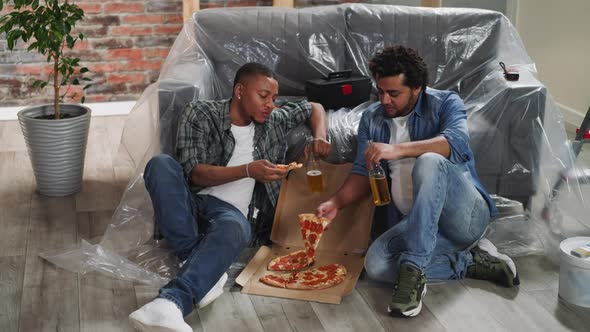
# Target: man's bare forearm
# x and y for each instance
(204, 175)
(354, 188)
(414, 149)
(317, 121)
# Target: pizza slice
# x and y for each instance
(291, 262)
(277, 280)
(319, 278)
(291, 166)
(312, 229)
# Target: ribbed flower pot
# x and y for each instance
(56, 147)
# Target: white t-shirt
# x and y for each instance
(401, 170)
(238, 193)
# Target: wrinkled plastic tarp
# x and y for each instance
(517, 132)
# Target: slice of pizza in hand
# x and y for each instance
(291, 262)
(291, 166)
(312, 229)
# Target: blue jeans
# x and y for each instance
(447, 218)
(203, 230)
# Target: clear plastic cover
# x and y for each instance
(517, 131)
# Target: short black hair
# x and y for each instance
(251, 69)
(396, 60)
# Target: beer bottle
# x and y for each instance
(379, 186)
(315, 179)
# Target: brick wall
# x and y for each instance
(126, 43)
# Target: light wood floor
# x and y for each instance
(38, 296)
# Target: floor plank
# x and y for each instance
(11, 286)
(53, 224)
(16, 190)
(278, 314)
(14, 223)
(105, 303)
(231, 312)
(353, 314)
(50, 299)
(457, 310)
(537, 273)
(378, 297)
(570, 316)
(92, 225)
(513, 308)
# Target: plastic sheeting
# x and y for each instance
(517, 132)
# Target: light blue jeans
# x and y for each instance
(203, 230)
(447, 218)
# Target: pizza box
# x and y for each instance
(345, 241)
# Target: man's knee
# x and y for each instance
(428, 166)
(238, 232)
(160, 164)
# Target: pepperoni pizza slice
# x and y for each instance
(277, 280)
(319, 278)
(292, 262)
(291, 166)
(312, 229)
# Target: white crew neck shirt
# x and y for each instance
(401, 170)
(238, 193)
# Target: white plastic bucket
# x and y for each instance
(574, 273)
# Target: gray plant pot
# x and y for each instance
(56, 147)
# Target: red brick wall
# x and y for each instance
(125, 46)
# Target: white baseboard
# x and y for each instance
(98, 109)
(571, 116)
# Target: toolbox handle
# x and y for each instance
(340, 74)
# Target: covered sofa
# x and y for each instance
(462, 47)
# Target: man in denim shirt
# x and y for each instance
(227, 153)
(440, 210)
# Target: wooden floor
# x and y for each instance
(38, 296)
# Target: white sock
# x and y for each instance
(213, 293)
(160, 315)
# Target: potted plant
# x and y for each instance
(56, 134)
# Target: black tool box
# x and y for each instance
(339, 89)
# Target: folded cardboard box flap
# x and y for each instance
(344, 242)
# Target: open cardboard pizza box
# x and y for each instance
(345, 241)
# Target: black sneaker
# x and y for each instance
(408, 292)
(491, 265)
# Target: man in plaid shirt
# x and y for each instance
(227, 153)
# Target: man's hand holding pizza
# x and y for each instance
(265, 171)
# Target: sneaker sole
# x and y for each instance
(487, 246)
(409, 313)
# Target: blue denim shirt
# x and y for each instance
(437, 112)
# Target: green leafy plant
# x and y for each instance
(48, 30)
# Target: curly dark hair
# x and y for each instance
(395, 60)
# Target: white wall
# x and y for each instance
(556, 35)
